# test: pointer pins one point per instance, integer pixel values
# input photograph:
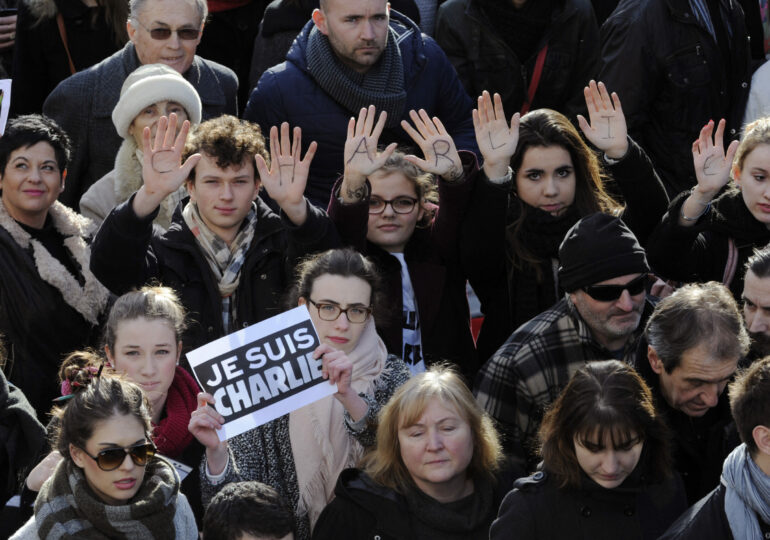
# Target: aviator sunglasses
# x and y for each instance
(162, 33)
(112, 458)
(610, 293)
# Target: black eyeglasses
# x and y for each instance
(331, 312)
(400, 205)
(609, 293)
(112, 458)
(162, 33)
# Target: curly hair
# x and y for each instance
(229, 140)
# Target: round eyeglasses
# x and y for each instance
(331, 312)
(400, 205)
(112, 458)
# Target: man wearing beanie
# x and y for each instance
(604, 273)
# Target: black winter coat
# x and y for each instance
(126, 254)
(700, 445)
(700, 252)
(40, 60)
(363, 510)
(668, 70)
(432, 257)
(538, 509)
(485, 62)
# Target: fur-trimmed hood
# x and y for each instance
(91, 298)
(42, 9)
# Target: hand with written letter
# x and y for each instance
(286, 179)
(496, 139)
(607, 130)
(712, 170)
(441, 157)
(361, 155)
(204, 423)
(162, 168)
(338, 369)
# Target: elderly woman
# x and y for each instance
(50, 302)
(150, 92)
(432, 473)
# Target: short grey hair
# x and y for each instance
(136, 6)
(697, 314)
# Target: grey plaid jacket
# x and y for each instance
(532, 367)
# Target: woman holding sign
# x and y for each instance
(142, 340)
(301, 454)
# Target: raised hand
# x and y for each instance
(162, 168)
(286, 179)
(361, 156)
(607, 130)
(496, 139)
(712, 164)
(338, 369)
(437, 145)
(204, 423)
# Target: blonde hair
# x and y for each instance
(384, 463)
(754, 134)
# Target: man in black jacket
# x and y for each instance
(226, 254)
(694, 341)
(739, 507)
(677, 64)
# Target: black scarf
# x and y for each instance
(466, 519)
(542, 234)
(520, 29)
(381, 86)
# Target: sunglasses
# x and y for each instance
(610, 293)
(112, 458)
(162, 34)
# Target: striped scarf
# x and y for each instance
(225, 261)
(66, 508)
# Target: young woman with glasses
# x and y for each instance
(103, 432)
(540, 178)
(385, 206)
(301, 454)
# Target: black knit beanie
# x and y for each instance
(597, 248)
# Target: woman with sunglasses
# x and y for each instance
(540, 178)
(607, 469)
(103, 433)
(709, 232)
(385, 206)
(302, 454)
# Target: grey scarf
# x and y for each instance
(381, 86)
(747, 494)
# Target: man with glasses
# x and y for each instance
(693, 343)
(603, 271)
(160, 31)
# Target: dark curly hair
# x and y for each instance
(229, 140)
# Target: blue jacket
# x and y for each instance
(288, 93)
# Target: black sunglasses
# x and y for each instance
(162, 33)
(112, 458)
(610, 293)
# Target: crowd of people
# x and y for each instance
(596, 173)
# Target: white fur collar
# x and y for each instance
(88, 300)
(42, 9)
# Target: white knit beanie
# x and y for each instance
(150, 84)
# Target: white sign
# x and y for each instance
(262, 372)
(5, 102)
